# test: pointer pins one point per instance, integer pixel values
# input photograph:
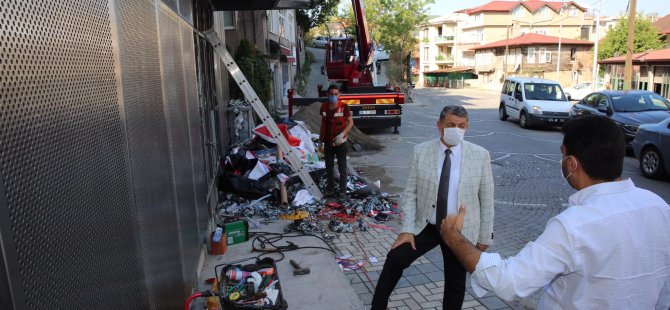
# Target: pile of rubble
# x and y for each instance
(257, 183)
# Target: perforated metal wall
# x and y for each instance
(102, 179)
(62, 160)
(176, 91)
(149, 151)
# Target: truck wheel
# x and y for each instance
(502, 114)
(651, 163)
(523, 120)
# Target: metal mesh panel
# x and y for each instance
(62, 157)
(149, 152)
(177, 119)
(195, 129)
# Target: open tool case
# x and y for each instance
(253, 286)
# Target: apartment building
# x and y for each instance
(498, 20)
(272, 33)
(534, 55)
(495, 21)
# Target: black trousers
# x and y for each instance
(331, 152)
(402, 257)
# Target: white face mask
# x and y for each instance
(453, 135)
(561, 164)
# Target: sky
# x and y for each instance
(610, 7)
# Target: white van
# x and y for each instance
(533, 101)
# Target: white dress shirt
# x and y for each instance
(454, 177)
(609, 250)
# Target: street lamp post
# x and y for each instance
(594, 73)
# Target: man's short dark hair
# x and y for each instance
(599, 145)
(453, 110)
(333, 86)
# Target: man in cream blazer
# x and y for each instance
(470, 184)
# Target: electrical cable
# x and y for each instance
(267, 243)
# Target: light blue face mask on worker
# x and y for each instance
(332, 99)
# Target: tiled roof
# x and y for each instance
(508, 6)
(651, 56)
(663, 24)
(532, 39)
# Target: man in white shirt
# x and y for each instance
(444, 173)
(609, 250)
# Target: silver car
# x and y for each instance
(652, 146)
(579, 91)
(320, 41)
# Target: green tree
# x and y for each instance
(392, 23)
(308, 19)
(646, 38)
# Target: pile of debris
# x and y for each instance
(257, 183)
(357, 140)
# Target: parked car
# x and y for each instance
(380, 53)
(629, 109)
(320, 41)
(533, 101)
(652, 147)
(580, 90)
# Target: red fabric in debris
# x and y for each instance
(264, 133)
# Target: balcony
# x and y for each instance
(444, 58)
(444, 40)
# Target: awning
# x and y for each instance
(449, 70)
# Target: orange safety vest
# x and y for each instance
(337, 123)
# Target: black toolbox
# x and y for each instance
(239, 287)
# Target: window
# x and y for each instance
(229, 19)
(478, 17)
(480, 35)
(591, 100)
(573, 53)
(425, 68)
(543, 55)
(542, 91)
(541, 31)
(573, 11)
(519, 11)
(531, 55)
(425, 54)
(290, 34)
(585, 33)
(439, 31)
(544, 11)
(282, 25)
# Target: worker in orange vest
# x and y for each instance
(336, 121)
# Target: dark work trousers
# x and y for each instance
(402, 257)
(331, 152)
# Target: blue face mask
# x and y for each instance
(332, 99)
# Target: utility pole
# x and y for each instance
(560, 35)
(628, 67)
(594, 74)
(506, 54)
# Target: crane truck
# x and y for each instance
(350, 63)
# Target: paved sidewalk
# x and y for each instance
(422, 284)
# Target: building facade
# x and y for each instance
(534, 55)
(274, 34)
(651, 71)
